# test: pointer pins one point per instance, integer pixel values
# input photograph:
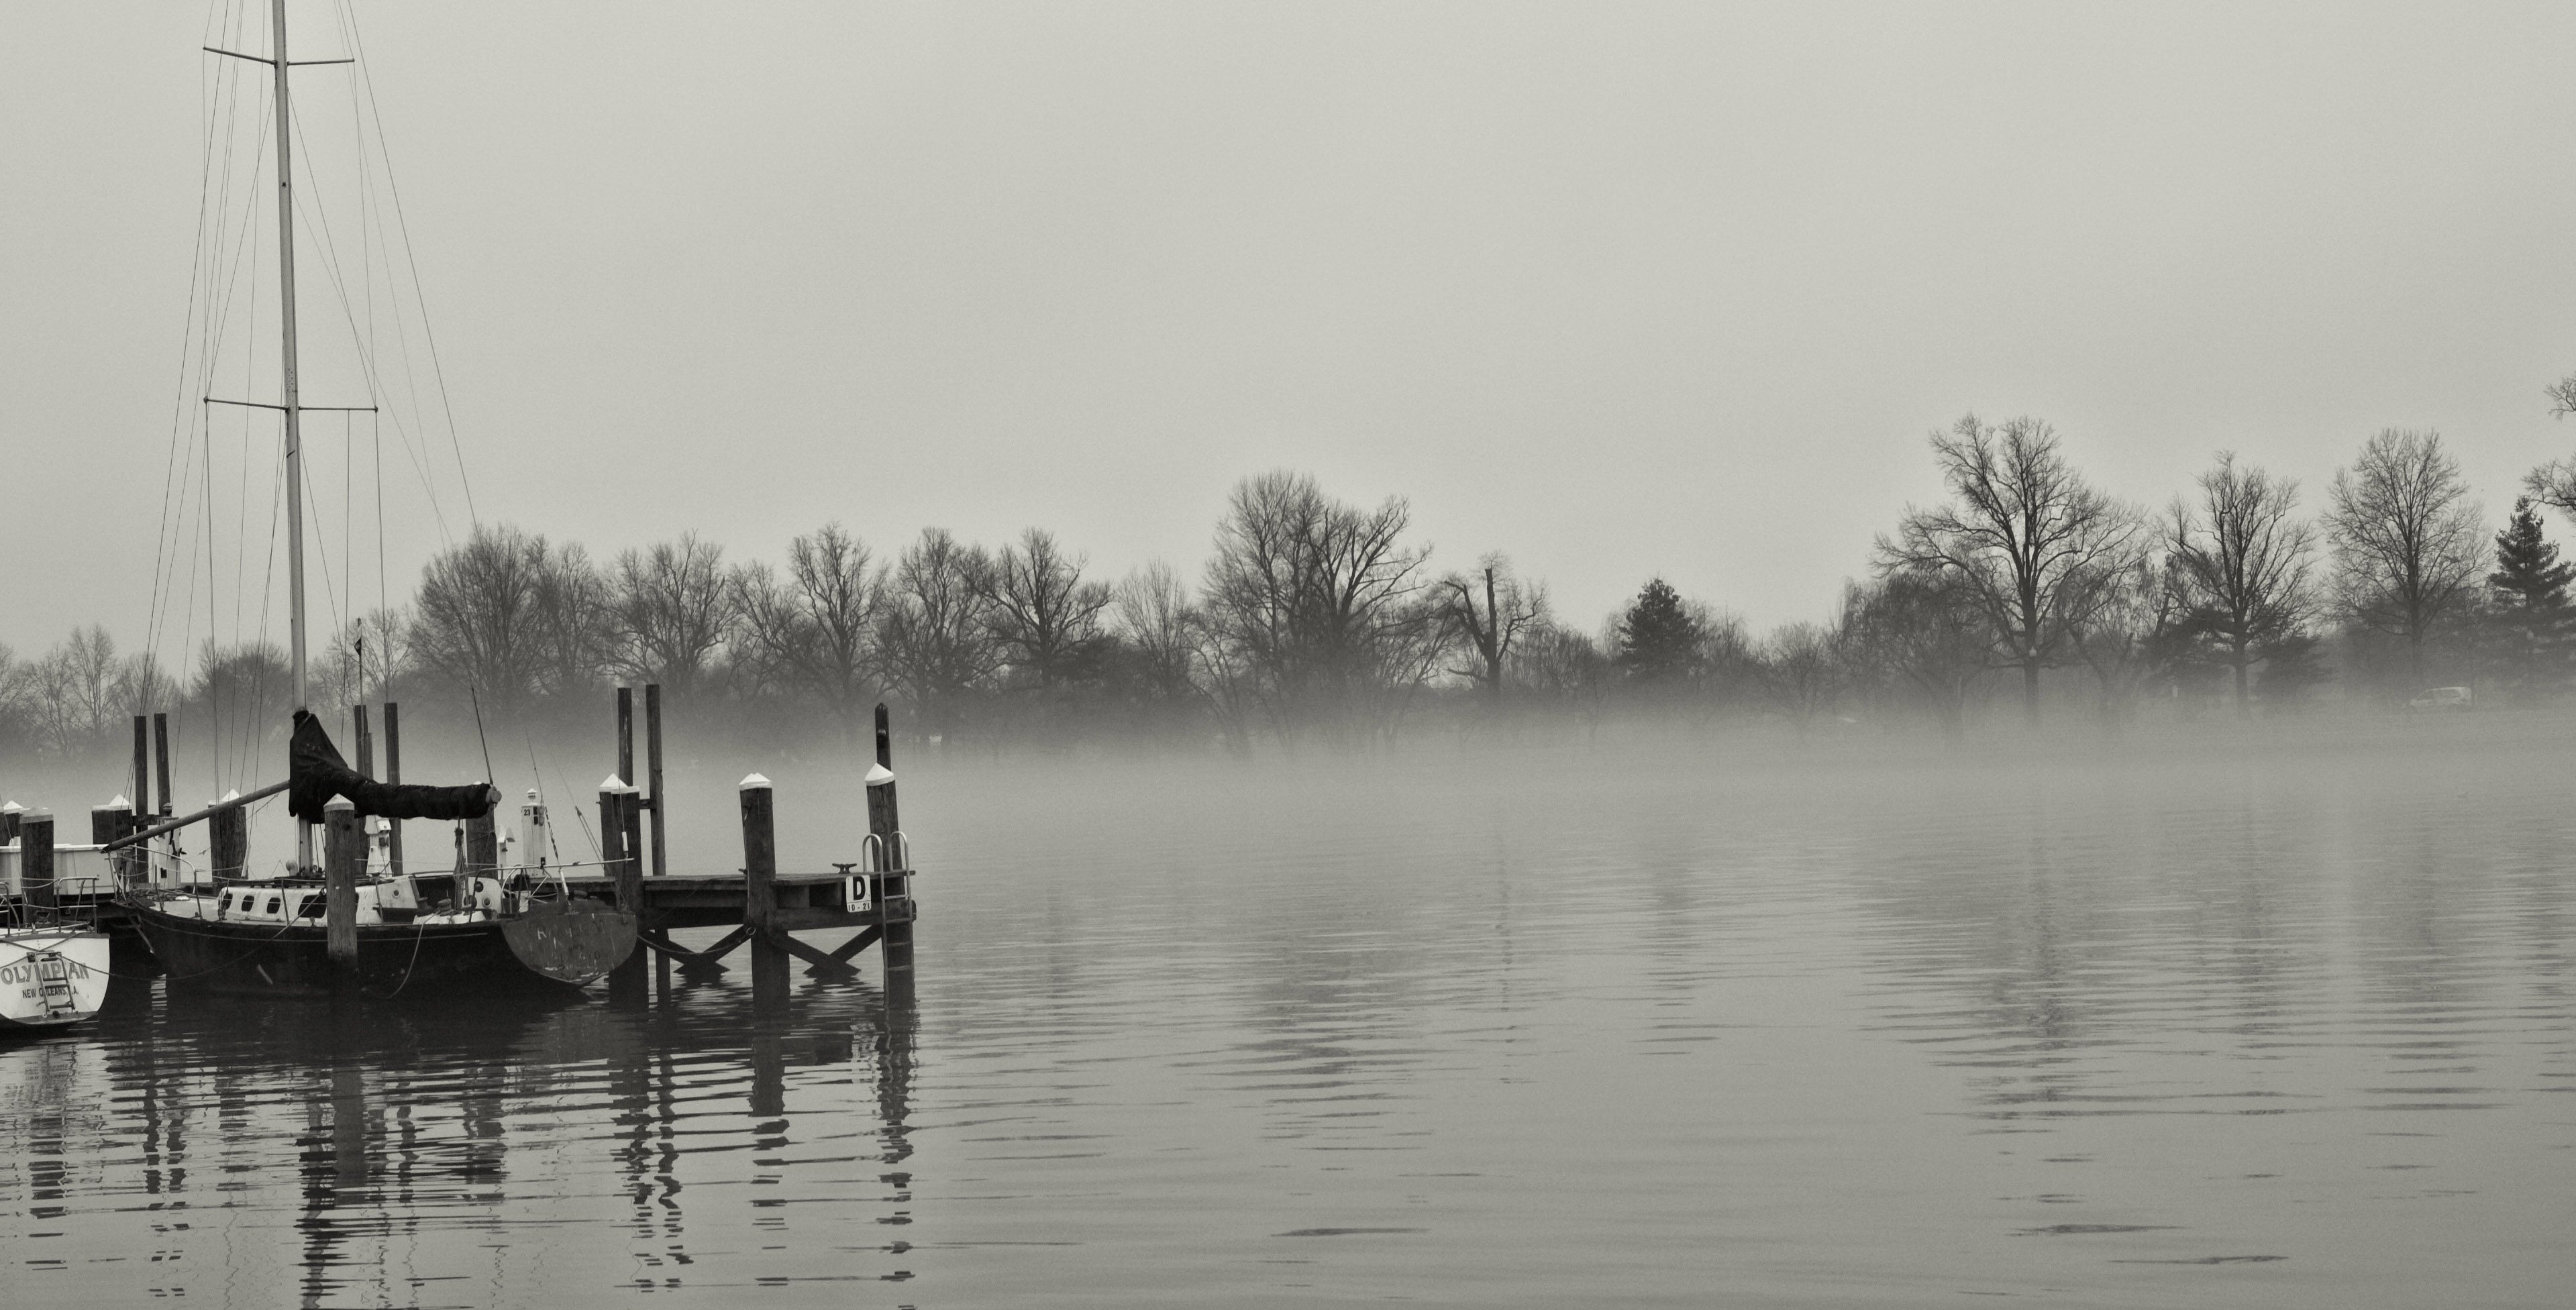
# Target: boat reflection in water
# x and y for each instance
(465, 1153)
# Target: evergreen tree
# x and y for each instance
(1659, 637)
(2533, 618)
(2528, 575)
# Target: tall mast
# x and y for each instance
(286, 354)
(286, 363)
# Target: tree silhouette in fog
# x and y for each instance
(2023, 534)
(2405, 537)
(2241, 564)
(1659, 637)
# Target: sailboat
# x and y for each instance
(338, 929)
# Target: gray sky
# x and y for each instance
(1618, 289)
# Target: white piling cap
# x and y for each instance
(612, 783)
(120, 803)
(13, 807)
(752, 782)
(339, 803)
(232, 795)
(879, 775)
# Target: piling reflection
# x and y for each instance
(450, 1143)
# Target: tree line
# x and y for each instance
(1316, 618)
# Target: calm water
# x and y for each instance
(2265, 1025)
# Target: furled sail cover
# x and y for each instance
(317, 774)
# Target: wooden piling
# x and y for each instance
(886, 821)
(11, 815)
(759, 857)
(393, 774)
(364, 740)
(111, 821)
(161, 762)
(760, 897)
(881, 812)
(626, 732)
(624, 856)
(142, 765)
(228, 841)
(344, 855)
(36, 859)
(618, 845)
(653, 771)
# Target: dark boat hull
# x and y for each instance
(552, 950)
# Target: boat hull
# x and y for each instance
(393, 959)
(73, 962)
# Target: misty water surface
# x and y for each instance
(2227, 1019)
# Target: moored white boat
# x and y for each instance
(51, 975)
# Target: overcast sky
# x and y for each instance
(1620, 290)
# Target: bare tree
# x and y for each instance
(1158, 628)
(2241, 563)
(1925, 627)
(478, 614)
(575, 625)
(16, 679)
(815, 631)
(2406, 538)
(2554, 483)
(2023, 531)
(1799, 668)
(1558, 664)
(674, 611)
(358, 660)
(1312, 598)
(1510, 608)
(1045, 616)
(932, 632)
(243, 693)
(1726, 666)
(2129, 630)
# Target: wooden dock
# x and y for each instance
(763, 907)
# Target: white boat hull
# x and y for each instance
(51, 976)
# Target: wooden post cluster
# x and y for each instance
(344, 857)
(36, 858)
